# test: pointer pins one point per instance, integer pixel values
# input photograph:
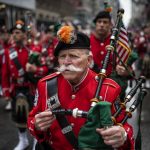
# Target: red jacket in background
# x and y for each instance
(99, 52)
(10, 75)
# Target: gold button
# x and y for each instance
(73, 96)
(96, 77)
(72, 124)
(102, 52)
(100, 98)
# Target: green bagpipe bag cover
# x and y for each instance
(99, 116)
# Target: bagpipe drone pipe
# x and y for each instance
(34, 59)
(29, 26)
(34, 51)
(37, 52)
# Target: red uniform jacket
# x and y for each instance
(99, 51)
(2, 49)
(70, 98)
(10, 75)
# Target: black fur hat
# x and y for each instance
(19, 26)
(102, 14)
(70, 39)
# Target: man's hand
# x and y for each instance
(43, 120)
(121, 71)
(31, 68)
(114, 136)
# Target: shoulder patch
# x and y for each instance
(50, 76)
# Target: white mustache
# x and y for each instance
(69, 68)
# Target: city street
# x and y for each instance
(8, 131)
(9, 137)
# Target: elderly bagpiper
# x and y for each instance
(73, 88)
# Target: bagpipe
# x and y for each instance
(99, 115)
(84, 114)
(36, 56)
(34, 59)
(29, 26)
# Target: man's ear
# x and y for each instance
(90, 59)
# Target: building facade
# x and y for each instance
(12, 10)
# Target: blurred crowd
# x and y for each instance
(140, 43)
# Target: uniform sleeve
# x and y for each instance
(39, 135)
(6, 74)
(111, 92)
(129, 144)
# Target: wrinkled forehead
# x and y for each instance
(73, 51)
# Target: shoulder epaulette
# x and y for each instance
(50, 76)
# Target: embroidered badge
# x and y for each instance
(66, 129)
(53, 102)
